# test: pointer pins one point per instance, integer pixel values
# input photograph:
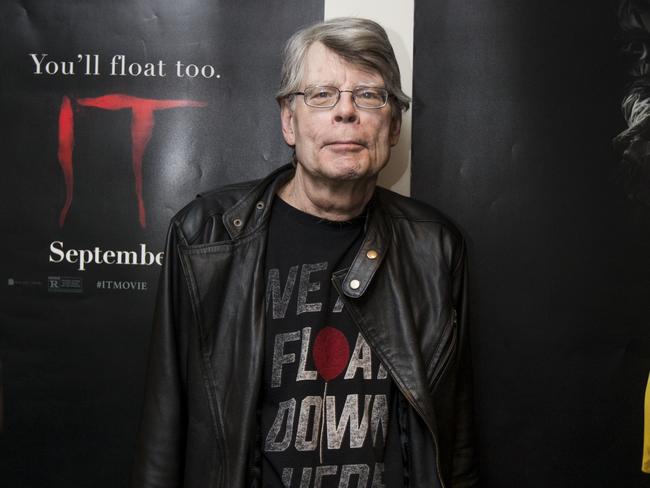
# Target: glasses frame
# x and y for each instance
(338, 98)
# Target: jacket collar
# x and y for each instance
(253, 211)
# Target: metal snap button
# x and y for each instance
(372, 254)
(355, 284)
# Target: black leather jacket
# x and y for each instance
(199, 426)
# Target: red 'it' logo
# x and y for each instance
(142, 123)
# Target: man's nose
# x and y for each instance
(345, 110)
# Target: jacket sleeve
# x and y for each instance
(465, 465)
(159, 451)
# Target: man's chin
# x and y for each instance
(347, 174)
(347, 170)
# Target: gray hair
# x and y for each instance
(360, 42)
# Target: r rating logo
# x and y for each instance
(64, 284)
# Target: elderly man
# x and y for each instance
(311, 328)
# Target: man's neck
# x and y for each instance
(336, 201)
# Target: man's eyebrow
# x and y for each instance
(332, 83)
(321, 83)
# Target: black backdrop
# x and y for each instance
(515, 107)
(72, 342)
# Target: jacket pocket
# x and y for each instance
(444, 351)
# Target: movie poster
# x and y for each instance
(114, 116)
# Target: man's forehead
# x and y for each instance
(323, 66)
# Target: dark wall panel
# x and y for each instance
(515, 107)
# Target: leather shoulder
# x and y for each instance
(199, 222)
(398, 207)
(417, 224)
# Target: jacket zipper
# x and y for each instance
(411, 401)
(441, 369)
(406, 393)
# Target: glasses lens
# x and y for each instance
(370, 97)
(321, 96)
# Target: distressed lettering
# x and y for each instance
(272, 444)
(303, 372)
(279, 358)
(362, 471)
(349, 416)
(280, 300)
(321, 472)
(307, 286)
(379, 418)
(361, 358)
(310, 415)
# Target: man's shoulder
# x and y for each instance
(201, 221)
(412, 211)
(207, 209)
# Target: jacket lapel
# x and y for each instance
(371, 298)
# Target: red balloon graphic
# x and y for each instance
(331, 353)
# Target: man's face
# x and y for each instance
(343, 142)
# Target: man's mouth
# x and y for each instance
(345, 145)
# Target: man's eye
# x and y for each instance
(321, 94)
(369, 94)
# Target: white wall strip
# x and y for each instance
(397, 19)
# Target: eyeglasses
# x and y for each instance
(329, 96)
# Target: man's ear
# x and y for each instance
(286, 117)
(395, 128)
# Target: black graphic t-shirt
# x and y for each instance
(327, 402)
